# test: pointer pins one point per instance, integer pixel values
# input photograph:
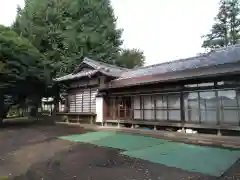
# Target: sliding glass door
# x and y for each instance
(123, 108)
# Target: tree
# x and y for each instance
(225, 30)
(22, 74)
(65, 31)
(131, 58)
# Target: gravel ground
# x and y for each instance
(33, 152)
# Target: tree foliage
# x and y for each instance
(65, 31)
(22, 70)
(225, 30)
(131, 58)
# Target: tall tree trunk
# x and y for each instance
(3, 109)
(56, 105)
(1, 114)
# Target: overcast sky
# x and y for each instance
(164, 29)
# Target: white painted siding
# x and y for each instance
(99, 109)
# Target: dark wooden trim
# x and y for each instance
(199, 110)
(132, 108)
(142, 106)
(90, 102)
(77, 113)
(167, 109)
(159, 109)
(155, 108)
(82, 99)
(218, 110)
(75, 102)
(114, 107)
(148, 91)
(167, 91)
(118, 107)
(188, 111)
(237, 94)
(125, 109)
(177, 124)
(182, 107)
(105, 108)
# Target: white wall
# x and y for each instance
(99, 109)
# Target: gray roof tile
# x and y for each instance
(77, 75)
(221, 56)
(107, 69)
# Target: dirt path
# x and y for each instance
(34, 152)
(21, 147)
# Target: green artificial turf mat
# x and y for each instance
(206, 160)
(128, 142)
(87, 137)
(115, 140)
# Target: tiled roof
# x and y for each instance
(77, 75)
(107, 69)
(221, 56)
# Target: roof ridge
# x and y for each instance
(167, 62)
(106, 64)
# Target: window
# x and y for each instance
(148, 107)
(72, 103)
(191, 103)
(231, 82)
(208, 84)
(83, 101)
(86, 100)
(123, 107)
(229, 107)
(201, 107)
(137, 107)
(174, 112)
(159, 107)
(168, 107)
(191, 85)
(208, 107)
(79, 99)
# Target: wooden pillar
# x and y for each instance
(199, 110)
(114, 108)
(91, 119)
(218, 108)
(237, 95)
(182, 109)
(155, 107)
(132, 108)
